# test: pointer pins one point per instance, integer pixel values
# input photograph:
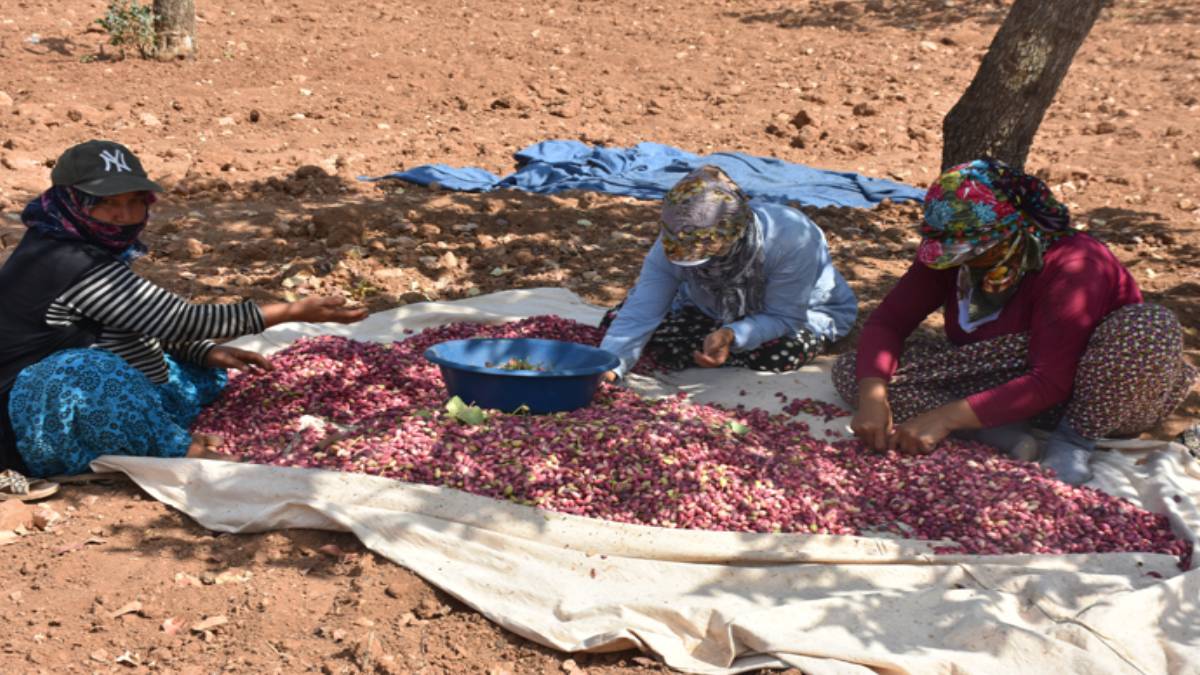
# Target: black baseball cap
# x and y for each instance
(102, 168)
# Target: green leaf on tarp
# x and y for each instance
(473, 416)
(738, 428)
(467, 414)
(455, 406)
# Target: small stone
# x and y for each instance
(6, 101)
(928, 46)
(210, 623)
(802, 119)
(848, 9)
(864, 109)
(191, 248)
(339, 225)
(1105, 127)
(431, 609)
(14, 515)
(918, 134)
(255, 116)
(524, 256)
(568, 110)
(45, 517)
(149, 120)
(1187, 204)
(393, 591)
(226, 121)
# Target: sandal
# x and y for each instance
(15, 486)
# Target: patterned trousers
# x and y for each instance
(1131, 376)
(77, 404)
(683, 332)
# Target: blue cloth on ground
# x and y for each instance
(648, 170)
(78, 404)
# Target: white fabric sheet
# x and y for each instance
(710, 602)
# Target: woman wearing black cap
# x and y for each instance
(94, 359)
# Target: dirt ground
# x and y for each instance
(260, 141)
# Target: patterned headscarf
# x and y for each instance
(62, 213)
(702, 216)
(709, 229)
(980, 206)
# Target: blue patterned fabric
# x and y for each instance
(78, 404)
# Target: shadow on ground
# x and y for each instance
(914, 15)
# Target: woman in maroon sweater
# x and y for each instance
(1044, 324)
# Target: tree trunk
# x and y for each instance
(175, 29)
(1001, 110)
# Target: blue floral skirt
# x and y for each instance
(78, 404)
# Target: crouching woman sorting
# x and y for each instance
(731, 282)
(94, 358)
(1044, 326)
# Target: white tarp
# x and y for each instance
(713, 602)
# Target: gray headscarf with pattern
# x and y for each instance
(709, 229)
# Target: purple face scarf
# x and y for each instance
(62, 212)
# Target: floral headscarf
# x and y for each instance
(709, 229)
(63, 212)
(977, 207)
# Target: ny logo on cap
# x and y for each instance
(114, 159)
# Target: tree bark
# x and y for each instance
(175, 29)
(1001, 110)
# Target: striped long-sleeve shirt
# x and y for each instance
(141, 320)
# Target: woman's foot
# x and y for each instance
(205, 446)
(1068, 454)
(1015, 440)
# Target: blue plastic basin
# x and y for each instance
(572, 373)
